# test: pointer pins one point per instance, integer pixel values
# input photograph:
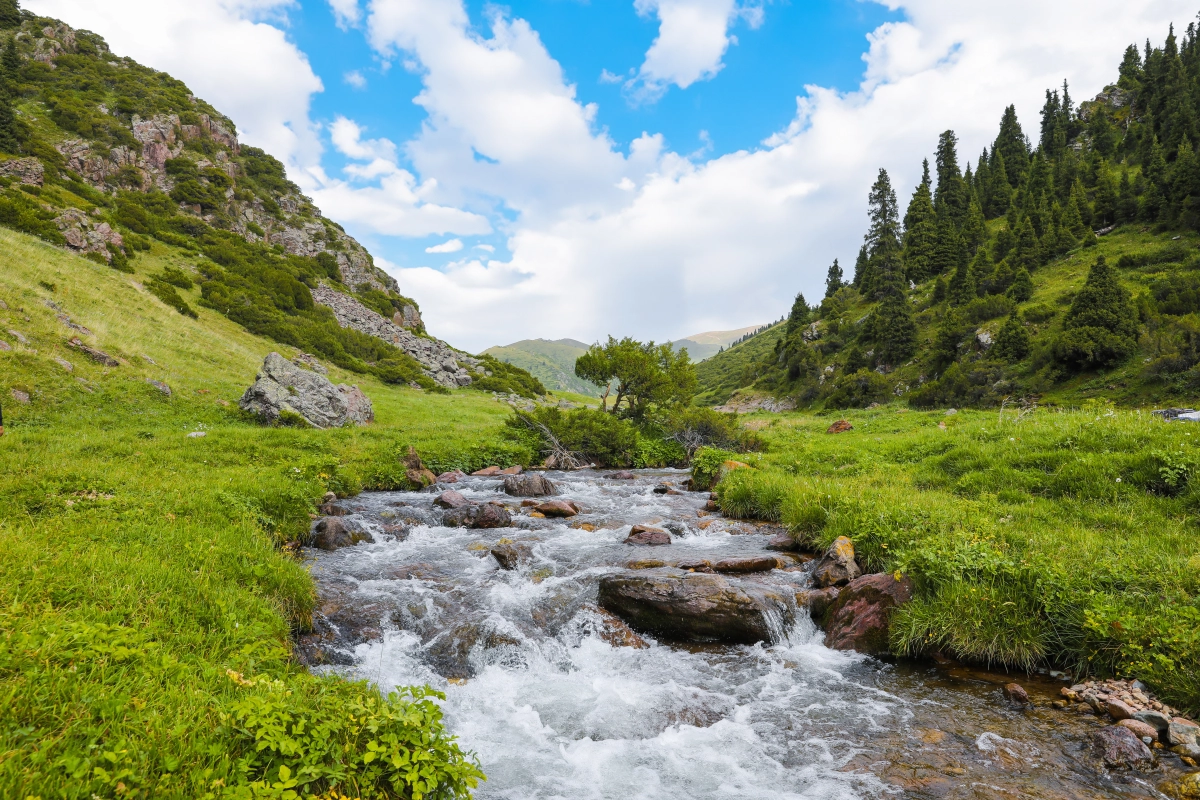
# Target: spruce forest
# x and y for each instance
(1061, 263)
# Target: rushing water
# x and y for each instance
(553, 710)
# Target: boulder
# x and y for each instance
(1182, 731)
(1186, 787)
(841, 426)
(332, 510)
(1140, 729)
(646, 535)
(99, 356)
(818, 602)
(746, 564)
(662, 488)
(613, 630)
(1118, 710)
(623, 475)
(695, 606)
(19, 396)
(416, 471)
(484, 515)
(510, 556)
(528, 486)
(837, 567)
(517, 470)
(859, 619)
(558, 508)
(1120, 748)
(784, 543)
(487, 472)
(283, 386)
(450, 499)
(331, 534)
(451, 477)
(162, 387)
(1155, 719)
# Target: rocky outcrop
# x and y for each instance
(85, 235)
(283, 386)
(695, 606)
(99, 356)
(749, 402)
(28, 171)
(439, 361)
(860, 617)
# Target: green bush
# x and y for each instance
(708, 467)
(982, 309)
(506, 379)
(601, 438)
(858, 390)
(20, 212)
(169, 295)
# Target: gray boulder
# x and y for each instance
(331, 533)
(695, 606)
(1120, 748)
(528, 486)
(283, 386)
(482, 515)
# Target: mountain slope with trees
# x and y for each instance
(1059, 268)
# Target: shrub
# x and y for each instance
(982, 309)
(507, 379)
(168, 294)
(707, 467)
(1174, 253)
(1100, 328)
(598, 437)
(696, 427)
(858, 390)
(176, 277)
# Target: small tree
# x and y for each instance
(1100, 328)
(799, 316)
(10, 14)
(833, 279)
(895, 332)
(1012, 340)
(646, 375)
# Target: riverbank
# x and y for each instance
(1044, 538)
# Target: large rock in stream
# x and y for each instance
(695, 606)
(860, 617)
(282, 386)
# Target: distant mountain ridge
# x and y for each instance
(702, 346)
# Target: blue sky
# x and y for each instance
(719, 167)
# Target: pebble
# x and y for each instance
(197, 435)
(1016, 693)
(19, 396)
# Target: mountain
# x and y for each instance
(725, 372)
(551, 362)
(1056, 268)
(113, 161)
(705, 345)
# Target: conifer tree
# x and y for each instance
(833, 279)
(862, 270)
(10, 14)
(962, 286)
(1021, 289)
(1027, 254)
(920, 235)
(895, 330)
(1100, 328)
(974, 230)
(946, 339)
(950, 198)
(1073, 220)
(883, 249)
(1127, 200)
(799, 315)
(11, 62)
(1131, 70)
(1012, 340)
(10, 128)
(1000, 192)
(950, 252)
(1012, 146)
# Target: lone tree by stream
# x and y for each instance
(645, 375)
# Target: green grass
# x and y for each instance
(720, 375)
(146, 604)
(1051, 538)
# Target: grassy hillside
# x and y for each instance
(144, 596)
(723, 374)
(701, 346)
(551, 362)
(1062, 539)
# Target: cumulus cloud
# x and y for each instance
(226, 51)
(346, 12)
(451, 246)
(692, 39)
(356, 79)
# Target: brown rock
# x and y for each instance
(818, 602)
(841, 426)
(645, 563)
(329, 497)
(331, 534)
(784, 543)
(332, 510)
(700, 565)
(1182, 731)
(1118, 710)
(451, 477)
(694, 606)
(450, 499)
(1140, 729)
(558, 508)
(517, 470)
(5, 347)
(747, 564)
(487, 472)
(510, 556)
(100, 357)
(528, 486)
(1016, 693)
(712, 505)
(416, 471)
(614, 631)
(1120, 748)
(623, 475)
(485, 515)
(837, 567)
(859, 619)
(646, 535)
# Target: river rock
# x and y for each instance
(450, 499)
(841, 426)
(1120, 748)
(332, 534)
(332, 510)
(283, 386)
(646, 535)
(451, 477)
(1016, 693)
(613, 630)
(517, 470)
(837, 567)
(1182, 731)
(528, 486)
(1140, 729)
(818, 602)
(558, 508)
(784, 543)
(486, 472)
(695, 606)
(1118, 710)
(1155, 719)
(483, 515)
(746, 564)
(1186, 787)
(415, 470)
(623, 475)
(511, 555)
(859, 619)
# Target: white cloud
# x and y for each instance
(487, 248)
(223, 51)
(692, 39)
(347, 138)
(346, 12)
(451, 246)
(355, 78)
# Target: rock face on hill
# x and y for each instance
(440, 362)
(284, 386)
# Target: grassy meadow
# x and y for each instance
(1035, 538)
(145, 602)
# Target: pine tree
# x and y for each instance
(10, 14)
(1073, 220)
(1021, 289)
(11, 62)
(882, 243)
(999, 198)
(974, 230)
(1012, 146)
(862, 270)
(962, 286)
(798, 318)
(1027, 254)
(10, 128)
(1131, 70)
(950, 251)
(1012, 340)
(1127, 200)
(946, 339)
(920, 235)
(895, 330)
(833, 279)
(950, 198)
(1100, 328)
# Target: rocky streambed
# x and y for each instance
(619, 640)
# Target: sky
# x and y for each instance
(646, 168)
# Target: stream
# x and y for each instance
(542, 686)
